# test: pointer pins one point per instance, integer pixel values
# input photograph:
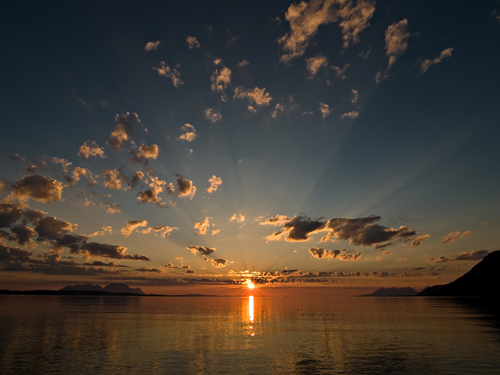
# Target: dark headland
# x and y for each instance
(483, 280)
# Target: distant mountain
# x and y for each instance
(111, 288)
(391, 292)
(482, 280)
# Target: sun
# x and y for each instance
(250, 285)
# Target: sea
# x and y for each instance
(73, 335)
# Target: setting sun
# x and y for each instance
(250, 285)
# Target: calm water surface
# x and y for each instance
(247, 335)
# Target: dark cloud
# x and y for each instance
(418, 240)
(202, 250)
(107, 251)
(343, 255)
(218, 262)
(182, 187)
(473, 255)
(50, 228)
(40, 188)
(360, 231)
(14, 254)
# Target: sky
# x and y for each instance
(200, 146)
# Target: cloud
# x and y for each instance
(418, 240)
(426, 64)
(239, 218)
(131, 226)
(203, 226)
(192, 42)
(305, 19)
(360, 231)
(78, 172)
(151, 195)
(161, 230)
(113, 178)
(343, 255)
(212, 115)
(243, 63)
(220, 79)
(352, 114)
(495, 15)
(325, 110)
(314, 64)
(64, 163)
(182, 187)
(107, 251)
(473, 255)
(340, 72)
(144, 153)
(123, 130)
(106, 229)
(450, 237)
(171, 73)
(284, 106)
(91, 148)
(202, 250)
(14, 254)
(189, 134)
(39, 188)
(354, 96)
(152, 46)
(16, 157)
(396, 40)
(218, 262)
(256, 96)
(215, 182)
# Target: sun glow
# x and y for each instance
(250, 285)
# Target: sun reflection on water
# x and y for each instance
(250, 309)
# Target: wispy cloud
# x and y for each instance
(166, 71)
(152, 46)
(426, 64)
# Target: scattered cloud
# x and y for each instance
(396, 40)
(171, 73)
(418, 240)
(202, 250)
(212, 115)
(202, 226)
(354, 96)
(131, 226)
(215, 182)
(124, 129)
(182, 187)
(152, 46)
(189, 134)
(472, 256)
(495, 15)
(306, 18)
(319, 253)
(151, 195)
(325, 110)
(450, 237)
(16, 157)
(192, 42)
(218, 262)
(426, 64)
(340, 72)
(64, 163)
(314, 64)
(113, 178)
(256, 96)
(239, 218)
(243, 63)
(91, 148)
(352, 114)
(221, 79)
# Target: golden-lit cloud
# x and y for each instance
(91, 148)
(340, 72)
(450, 237)
(124, 130)
(352, 114)
(418, 240)
(189, 134)
(325, 110)
(192, 42)
(220, 79)
(215, 182)
(218, 262)
(202, 226)
(314, 64)
(212, 115)
(239, 218)
(106, 230)
(113, 178)
(306, 18)
(131, 226)
(166, 71)
(256, 96)
(396, 40)
(152, 46)
(426, 64)
(354, 96)
(63, 162)
(151, 195)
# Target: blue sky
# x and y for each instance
(331, 143)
